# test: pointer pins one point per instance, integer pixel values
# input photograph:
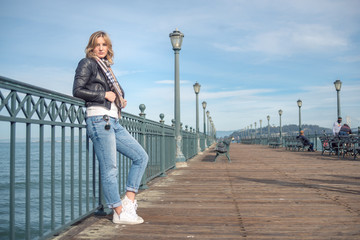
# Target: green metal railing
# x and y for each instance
(283, 141)
(49, 176)
(276, 139)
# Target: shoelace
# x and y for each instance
(135, 205)
(132, 207)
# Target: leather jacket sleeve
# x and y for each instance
(89, 85)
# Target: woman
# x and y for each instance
(96, 84)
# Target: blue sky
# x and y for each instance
(251, 58)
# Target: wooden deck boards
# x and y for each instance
(264, 193)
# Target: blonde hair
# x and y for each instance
(92, 44)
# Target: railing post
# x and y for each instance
(41, 169)
(185, 141)
(12, 167)
(28, 171)
(196, 145)
(52, 174)
(142, 140)
(100, 209)
(162, 147)
(188, 143)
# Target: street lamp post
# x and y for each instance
(176, 38)
(338, 84)
(210, 130)
(299, 103)
(208, 127)
(268, 118)
(280, 113)
(255, 131)
(197, 90)
(260, 130)
(204, 106)
(251, 133)
(207, 115)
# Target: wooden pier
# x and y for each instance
(264, 193)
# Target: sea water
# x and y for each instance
(20, 186)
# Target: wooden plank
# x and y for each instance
(263, 194)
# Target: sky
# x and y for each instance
(251, 58)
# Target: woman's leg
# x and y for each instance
(129, 147)
(105, 149)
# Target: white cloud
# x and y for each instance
(122, 73)
(349, 59)
(171, 82)
(292, 39)
(317, 37)
(238, 93)
(165, 82)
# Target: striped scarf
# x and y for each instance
(113, 83)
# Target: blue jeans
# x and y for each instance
(106, 143)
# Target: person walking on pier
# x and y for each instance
(96, 83)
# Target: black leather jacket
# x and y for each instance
(90, 83)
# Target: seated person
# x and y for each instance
(345, 130)
(305, 141)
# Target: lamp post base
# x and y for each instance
(198, 145)
(179, 157)
(181, 164)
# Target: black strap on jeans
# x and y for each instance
(107, 118)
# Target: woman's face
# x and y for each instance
(101, 48)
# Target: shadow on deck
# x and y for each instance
(264, 193)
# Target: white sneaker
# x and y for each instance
(128, 214)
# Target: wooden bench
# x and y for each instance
(291, 143)
(349, 145)
(330, 144)
(274, 144)
(301, 145)
(223, 148)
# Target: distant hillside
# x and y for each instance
(291, 129)
(220, 134)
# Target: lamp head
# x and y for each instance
(337, 84)
(204, 104)
(299, 103)
(176, 38)
(197, 87)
